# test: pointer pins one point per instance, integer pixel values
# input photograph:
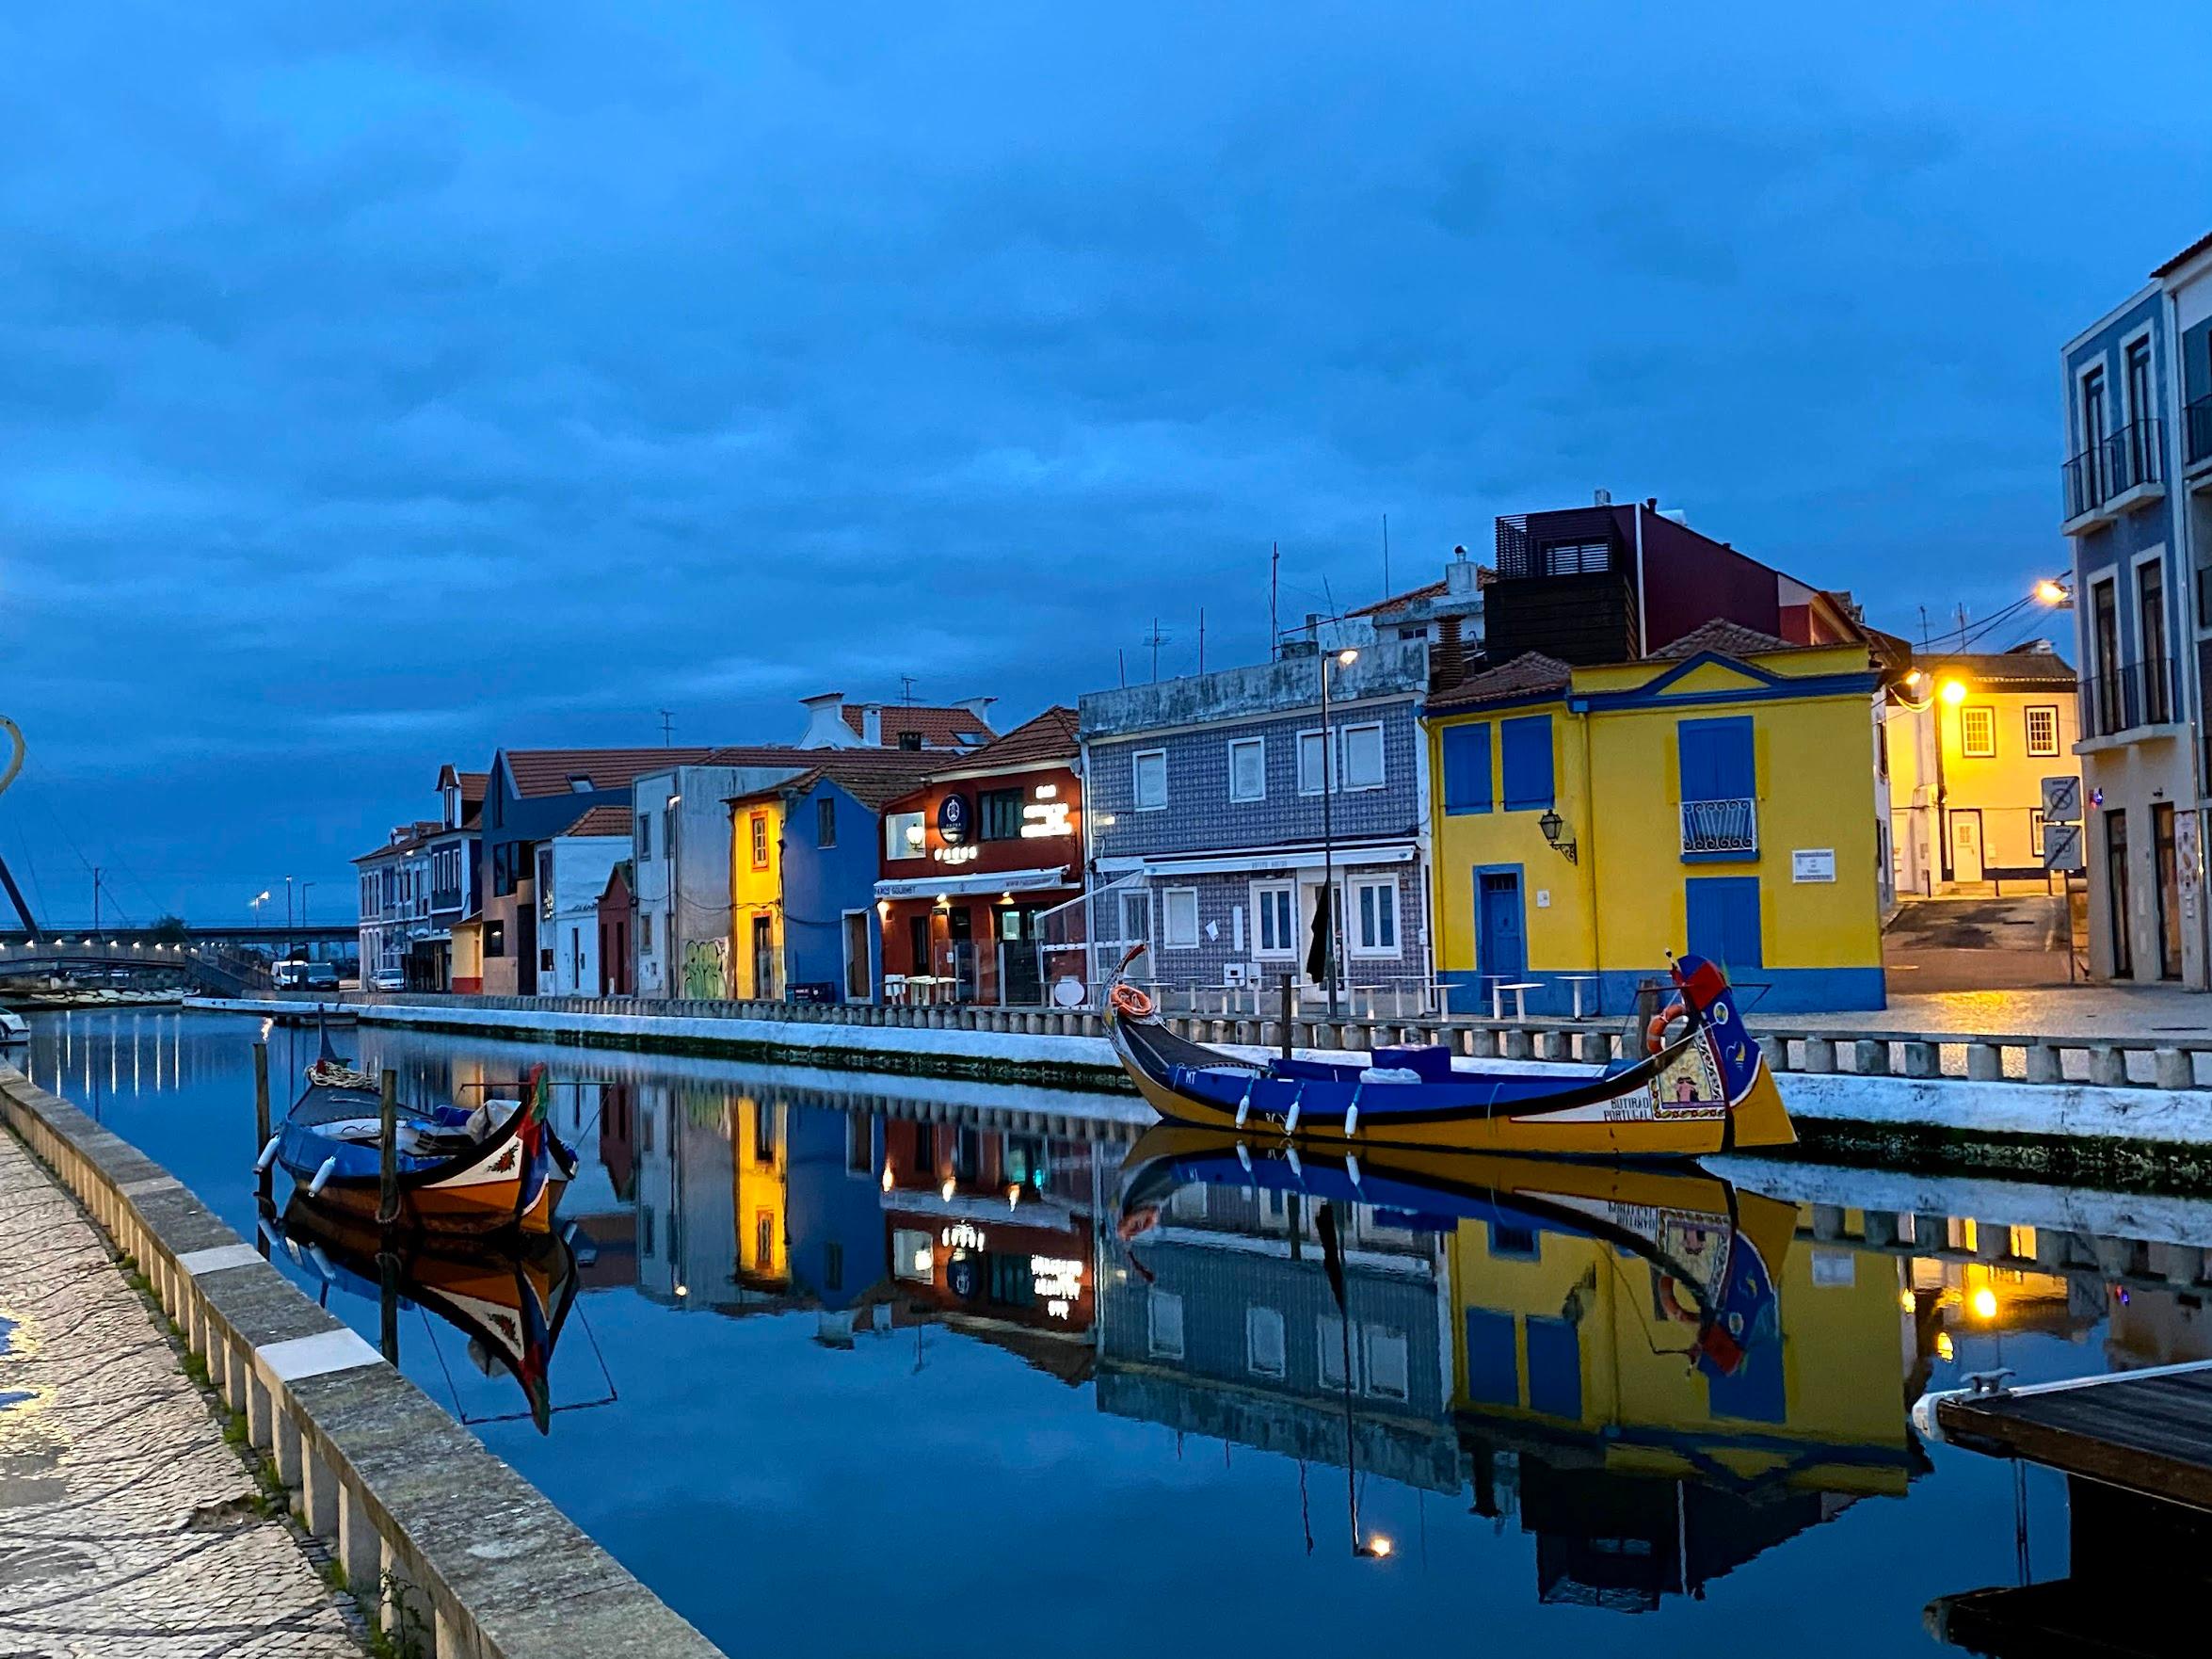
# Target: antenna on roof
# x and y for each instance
(1385, 556)
(668, 728)
(1201, 640)
(906, 691)
(1156, 639)
(1274, 567)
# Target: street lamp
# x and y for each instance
(1330, 950)
(253, 905)
(2054, 593)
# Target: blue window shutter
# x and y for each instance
(1555, 1367)
(1467, 767)
(1494, 1362)
(1717, 759)
(1723, 917)
(1527, 745)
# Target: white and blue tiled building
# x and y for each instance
(1206, 838)
(2137, 508)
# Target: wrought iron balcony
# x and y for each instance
(2196, 433)
(2128, 696)
(2129, 460)
(1720, 828)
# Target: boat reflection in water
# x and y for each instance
(509, 1297)
(1636, 1361)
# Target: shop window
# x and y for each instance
(912, 1258)
(1248, 769)
(1373, 910)
(1178, 918)
(2042, 730)
(1000, 813)
(1264, 1346)
(1526, 748)
(1148, 782)
(1467, 767)
(902, 835)
(1978, 733)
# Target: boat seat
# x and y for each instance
(1391, 1074)
(1429, 1063)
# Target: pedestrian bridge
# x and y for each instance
(209, 965)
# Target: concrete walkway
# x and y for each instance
(127, 1526)
(2079, 1011)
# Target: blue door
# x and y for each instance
(1501, 941)
(1724, 913)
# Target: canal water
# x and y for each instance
(865, 1366)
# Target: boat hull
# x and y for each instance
(1707, 1093)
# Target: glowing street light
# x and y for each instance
(1954, 692)
(2054, 593)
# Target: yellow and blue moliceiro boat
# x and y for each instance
(1703, 1090)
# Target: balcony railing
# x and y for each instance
(2196, 442)
(2128, 459)
(1720, 828)
(2129, 695)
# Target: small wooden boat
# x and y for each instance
(1720, 1250)
(497, 1168)
(1707, 1090)
(510, 1300)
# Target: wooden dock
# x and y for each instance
(2144, 1432)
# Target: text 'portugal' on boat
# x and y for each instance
(1705, 1091)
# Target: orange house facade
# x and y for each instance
(972, 859)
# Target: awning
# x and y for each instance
(1344, 857)
(993, 881)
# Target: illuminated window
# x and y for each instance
(1978, 733)
(2042, 730)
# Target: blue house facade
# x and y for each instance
(832, 948)
(2125, 511)
(1209, 833)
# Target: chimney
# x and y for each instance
(871, 725)
(1602, 498)
(1448, 657)
(978, 706)
(825, 722)
(1459, 576)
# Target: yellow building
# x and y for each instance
(760, 1191)
(1970, 740)
(756, 894)
(1579, 1346)
(1719, 798)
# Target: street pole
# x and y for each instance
(1328, 844)
(95, 898)
(287, 918)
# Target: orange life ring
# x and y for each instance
(1131, 1002)
(1655, 1034)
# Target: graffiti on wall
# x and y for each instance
(706, 969)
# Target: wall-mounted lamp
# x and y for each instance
(1551, 823)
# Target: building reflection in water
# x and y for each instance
(1569, 1364)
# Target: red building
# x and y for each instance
(972, 859)
(618, 924)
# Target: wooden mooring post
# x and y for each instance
(388, 1151)
(264, 1169)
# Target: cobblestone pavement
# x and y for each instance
(127, 1523)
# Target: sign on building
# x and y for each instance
(1813, 863)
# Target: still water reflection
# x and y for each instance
(893, 1365)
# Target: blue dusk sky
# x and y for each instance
(380, 384)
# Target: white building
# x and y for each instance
(572, 871)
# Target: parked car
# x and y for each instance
(321, 976)
(388, 979)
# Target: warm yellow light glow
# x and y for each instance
(1013, 1194)
(945, 1191)
(1378, 1545)
(1907, 1302)
(2050, 592)
(1345, 658)
(1914, 677)
(887, 1176)
(1945, 1349)
(1985, 1303)
(1954, 692)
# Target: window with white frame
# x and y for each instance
(1387, 1355)
(1978, 733)
(1265, 1349)
(1274, 918)
(1148, 780)
(1248, 769)
(2042, 729)
(1360, 757)
(902, 835)
(1178, 918)
(1371, 909)
(1163, 1324)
